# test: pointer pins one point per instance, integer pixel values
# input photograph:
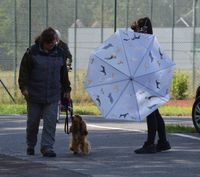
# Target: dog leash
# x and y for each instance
(68, 109)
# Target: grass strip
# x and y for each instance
(88, 109)
(172, 128)
(175, 111)
(6, 109)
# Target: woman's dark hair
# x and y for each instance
(47, 36)
(143, 25)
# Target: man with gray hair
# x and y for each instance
(62, 45)
(68, 59)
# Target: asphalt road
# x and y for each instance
(112, 155)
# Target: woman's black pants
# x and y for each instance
(155, 123)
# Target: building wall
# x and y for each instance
(90, 38)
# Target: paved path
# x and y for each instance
(113, 144)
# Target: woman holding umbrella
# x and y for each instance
(155, 122)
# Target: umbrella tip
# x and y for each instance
(131, 78)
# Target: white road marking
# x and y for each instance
(186, 136)
(103, 127)
(114, 128)
(141, 131)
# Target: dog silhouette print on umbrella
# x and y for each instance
(129, 76)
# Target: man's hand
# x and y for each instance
(25, 93)
(67, 95)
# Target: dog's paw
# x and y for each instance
(73, 150)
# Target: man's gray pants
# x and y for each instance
(48, 112)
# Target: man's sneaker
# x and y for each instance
(146, 149)
(48, 153)
(30, 151)
(163, 146)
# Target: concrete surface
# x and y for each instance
(113, 144)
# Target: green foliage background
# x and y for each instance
(14, 26)
(179, 88)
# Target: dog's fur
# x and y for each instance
(79, 142)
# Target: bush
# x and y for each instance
(179, 86)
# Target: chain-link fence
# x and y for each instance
(84, 24)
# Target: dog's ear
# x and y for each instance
(83, 128)
(86, 132)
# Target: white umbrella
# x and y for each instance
(129, 76)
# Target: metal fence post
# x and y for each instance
(194, 44)
(75, 40)
(127, 14)
(151, 11)
(29, 40)
(173, 26)
(115, 16)
(47, 13)
(15, 50)
(102, 19)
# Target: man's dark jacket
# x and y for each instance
(65, 48)
(43, 75)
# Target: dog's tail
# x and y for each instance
(86, 148)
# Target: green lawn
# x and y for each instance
(7, 109)
(175, 111)
(171, 128)
(90, 109)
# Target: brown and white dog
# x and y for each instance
(79, 142)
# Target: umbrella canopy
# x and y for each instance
(129, 76)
